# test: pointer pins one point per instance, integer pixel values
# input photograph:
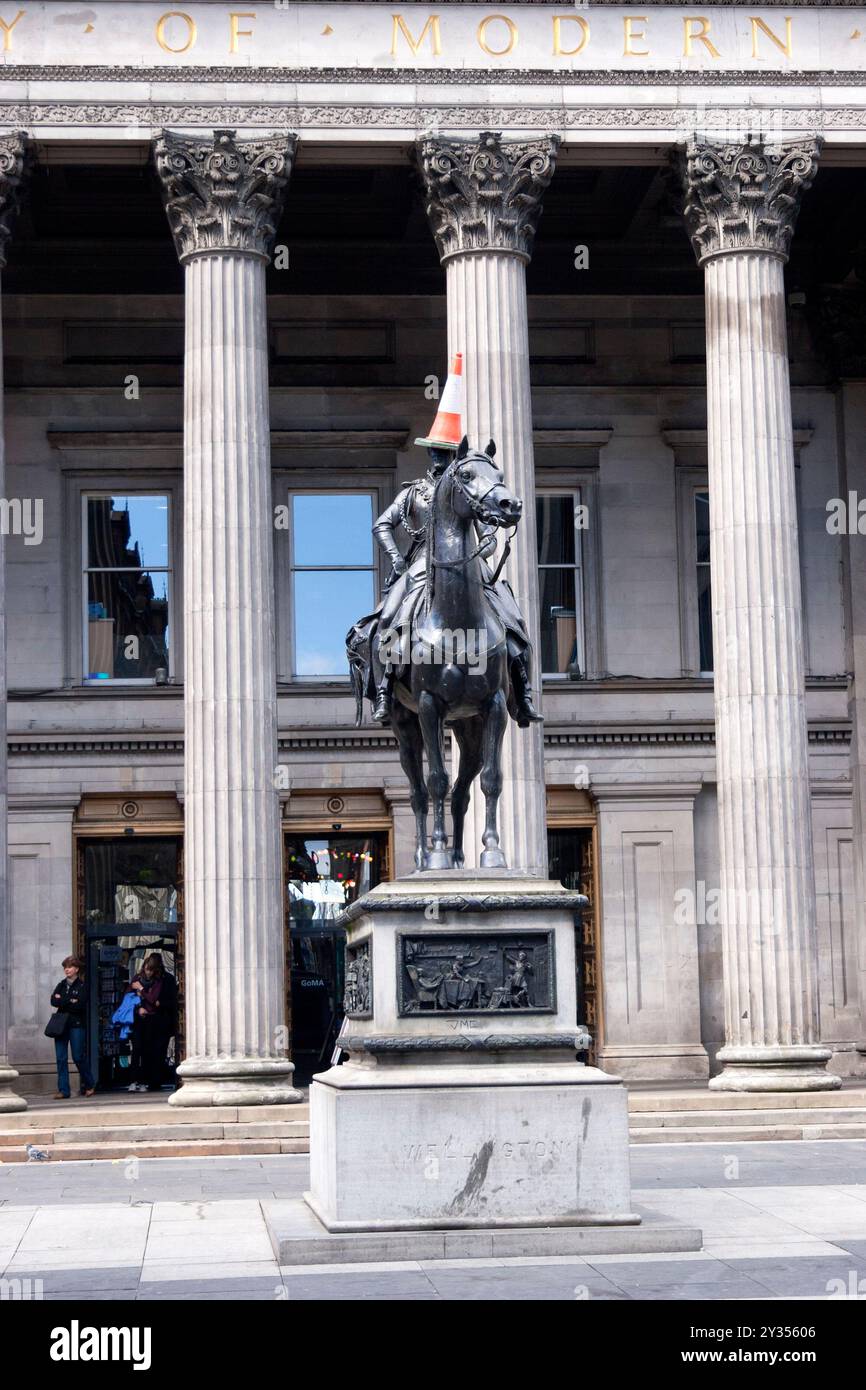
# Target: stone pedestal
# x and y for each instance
(461, 1103)
(223, 199)
(741, 204)
(12, 156)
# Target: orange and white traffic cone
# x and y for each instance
(447, 429)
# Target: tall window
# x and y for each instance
(702, 561)
(333, 576)
(126, 587)
(560, 583)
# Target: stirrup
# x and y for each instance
(382, 707)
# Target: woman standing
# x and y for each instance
(154, 1024)
(70, 998)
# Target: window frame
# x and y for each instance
(575, 489)
(96, 463)
(285, 571)
(85, 495)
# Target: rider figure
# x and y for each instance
(410, 512)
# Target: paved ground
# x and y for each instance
(779, 1220)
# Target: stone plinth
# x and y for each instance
(462, 1104)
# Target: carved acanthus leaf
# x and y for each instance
(224, 194)
(13, 163)
(744, 197)
(485, 194)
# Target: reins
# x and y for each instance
(433, 564)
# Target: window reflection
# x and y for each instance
(705, 607)
(326, 603)
(127, 591)
(559, 584)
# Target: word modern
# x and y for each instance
(290, 34)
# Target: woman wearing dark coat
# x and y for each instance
(155, 1018)
(70, 998)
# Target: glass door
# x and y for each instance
(570, 855)
(130, 904)
(324, 874)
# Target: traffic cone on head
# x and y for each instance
(447, 428)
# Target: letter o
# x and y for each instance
(512, 35)
(191, 30)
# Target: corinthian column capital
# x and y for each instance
(224, 194)
(485, 194)
(13, 163)
(744, 197)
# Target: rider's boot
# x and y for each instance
(382, 707)
(522, 685)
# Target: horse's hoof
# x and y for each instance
(421, 859)
(493, 859)
(459, 859)
(440, 859)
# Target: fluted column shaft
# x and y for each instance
(234, 917)
(487, 321)
(765, 831)
(12, 167)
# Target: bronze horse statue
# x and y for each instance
(452, 664)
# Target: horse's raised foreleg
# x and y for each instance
(430, 717)
(411, 745)
(469, 734)
(491, 779)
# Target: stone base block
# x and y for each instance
(299, 1238)
(775, 1069)
(656, 1062)
(456, 1146)
(236, 1081)
(10, 1102)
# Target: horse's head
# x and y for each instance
(479, 487)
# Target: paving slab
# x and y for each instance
(204, 1211)
(197, 1271)
(75, 1280)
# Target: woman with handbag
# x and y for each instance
(67, 1028)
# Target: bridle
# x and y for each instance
(451, 475)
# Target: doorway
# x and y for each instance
(130, 905)
(572, 860)
(324, 874)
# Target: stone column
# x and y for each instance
(483, 202)
(223, 198)
(13, 150)
(740, 208)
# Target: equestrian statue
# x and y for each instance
(447, 646)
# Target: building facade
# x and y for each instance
(240, 248)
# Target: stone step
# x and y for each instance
(724, 1119)
(642, 1102)
(89, 1113)
(166, 1148)
(743, 1133)
(145, 1134)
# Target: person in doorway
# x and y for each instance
(70, 998)
(155, 1018)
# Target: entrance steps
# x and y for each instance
(121, 1127)
(683, 1115)
(128, 1128)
